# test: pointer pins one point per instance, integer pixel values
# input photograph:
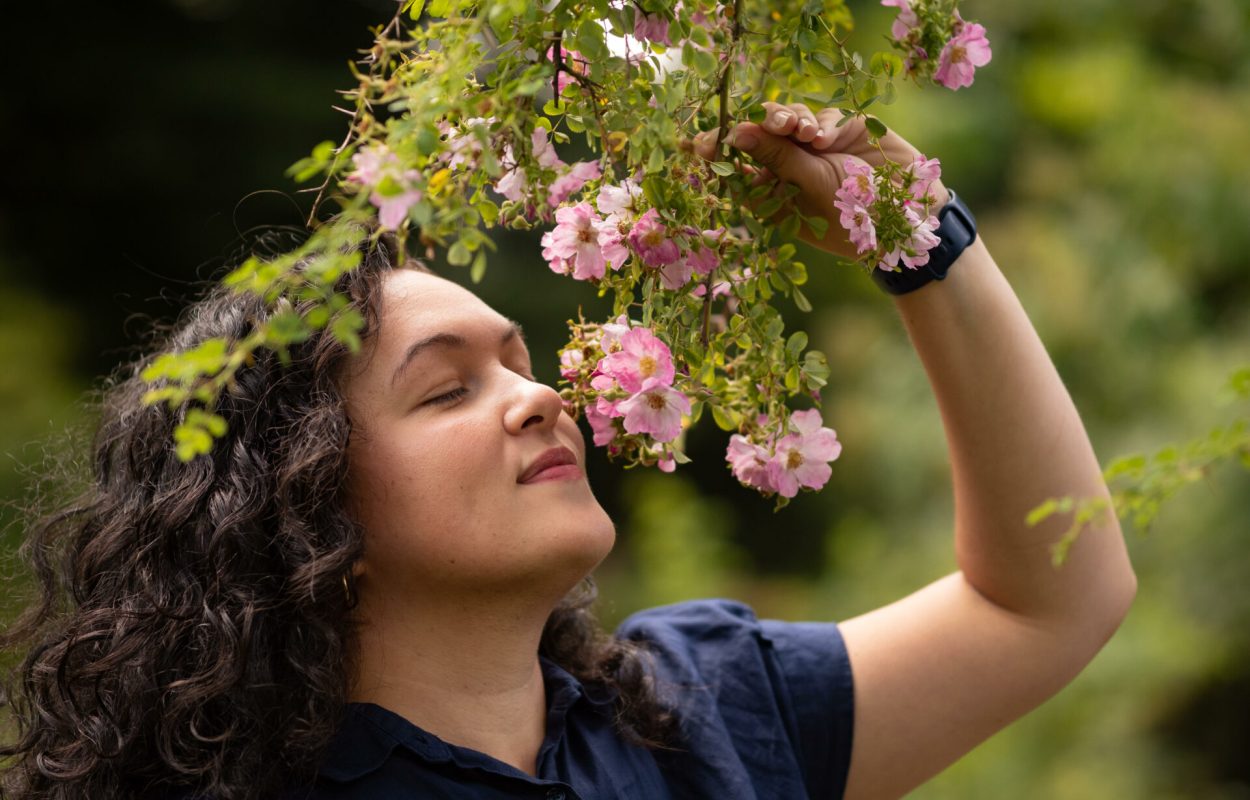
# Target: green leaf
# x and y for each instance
(724, 419)
(795, 272)
(773, 330)
(489, 212)
(191, 440)
(801, 301)
(589, 41)
(427, 140)
(655, 161)
(825, 63)
(346, 328)
(875, 126)
(213, 423)
(789, 227)
(769, 207)
(1239, 382)
(704, 63)
(819, 226)
(317, 317)
(884, 63)
(696, 412)
(1052, 505)
(779, 282)
(816, 368)
(792, 378)
(414, 9)
(478, 270)
(722, 168)
(458, 254)
(796, 343)
(286, 327)
(243, 274)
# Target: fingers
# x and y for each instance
(781, 155)
(795, 120)
(704, 145)
(836, 138)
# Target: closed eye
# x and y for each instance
(449, 397)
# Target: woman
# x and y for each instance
(377, 584)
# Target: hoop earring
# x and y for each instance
(349, 596)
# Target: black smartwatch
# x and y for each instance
(956, 229)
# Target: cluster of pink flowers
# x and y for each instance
(634, 396)
(590, 239)
(570, 178)
(635, 382)
(800, 458)
(858, 200)
(463, 146)
(392, 189)
(651, 28)
(967, 49)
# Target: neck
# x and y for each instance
(466, 672)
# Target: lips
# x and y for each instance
(555, 457)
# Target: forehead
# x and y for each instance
(417, 304)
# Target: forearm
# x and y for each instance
(1015, 439)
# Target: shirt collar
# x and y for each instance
(369, 733)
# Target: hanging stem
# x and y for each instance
(722, 124)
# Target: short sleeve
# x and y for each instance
(766, 704)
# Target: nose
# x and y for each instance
(531, 403)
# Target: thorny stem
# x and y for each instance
(557, 57)
(375, 58)
(722, 124)
(589, 87)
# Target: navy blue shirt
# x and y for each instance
(767, 710)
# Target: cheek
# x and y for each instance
(406, 482)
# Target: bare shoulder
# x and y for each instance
(942, 670)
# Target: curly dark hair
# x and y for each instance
(191, 633)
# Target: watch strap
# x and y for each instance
(957, 229)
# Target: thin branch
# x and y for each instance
(722, 124)
(376, 56)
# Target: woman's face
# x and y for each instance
(446, 419)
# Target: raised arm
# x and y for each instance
(941, 670)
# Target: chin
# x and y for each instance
(585, 540)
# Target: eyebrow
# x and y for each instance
(452, 340)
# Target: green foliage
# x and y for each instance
(1140, 484)
(463, 116)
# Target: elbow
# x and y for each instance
(1115, 602)
(1122, 585)
(1125, 595)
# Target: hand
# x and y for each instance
(795, 145)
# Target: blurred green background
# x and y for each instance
(1104, 151)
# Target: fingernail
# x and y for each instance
(745, 141)
(781, 117)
